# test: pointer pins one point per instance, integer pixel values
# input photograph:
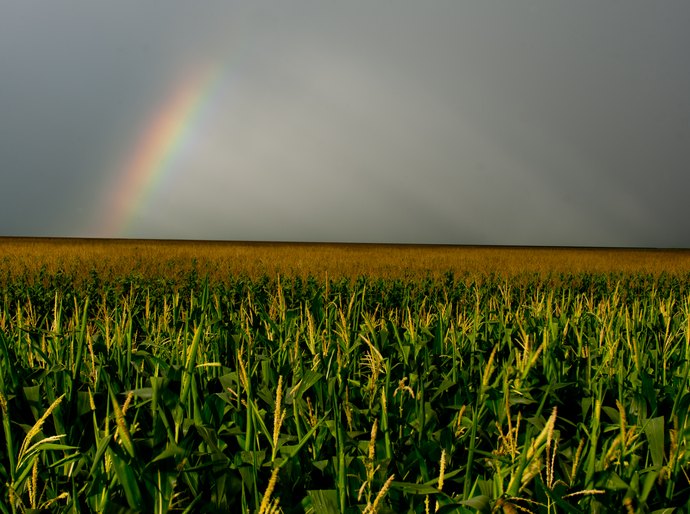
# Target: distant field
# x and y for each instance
(169, 259)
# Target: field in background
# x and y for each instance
(170, 260)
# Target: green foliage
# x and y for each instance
(560, 394)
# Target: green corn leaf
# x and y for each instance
(128, 480)
(322, 501)
(190, 364)
(654, 430)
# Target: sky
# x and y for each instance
(492, 122)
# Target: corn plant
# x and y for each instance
(280, 395)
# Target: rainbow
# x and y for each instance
(163, 136)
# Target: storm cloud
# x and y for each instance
(536, 122)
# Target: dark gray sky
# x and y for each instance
(529, 122)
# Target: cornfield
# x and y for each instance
(281, 393)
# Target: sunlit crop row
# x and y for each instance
(80, 259)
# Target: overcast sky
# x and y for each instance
(528, 122)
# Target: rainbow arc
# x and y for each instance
(156, 150)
